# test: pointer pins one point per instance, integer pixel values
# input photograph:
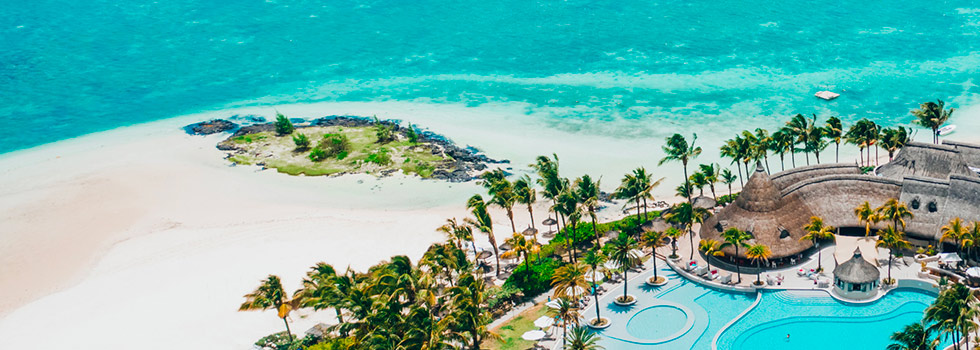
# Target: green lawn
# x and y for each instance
(510, 332)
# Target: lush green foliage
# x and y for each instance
(536, 281)
(282, 341)
(725, 199)
(317, 154)
(380, 157)
(283, 125)
(302, 142)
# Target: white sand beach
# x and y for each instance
(144, 236)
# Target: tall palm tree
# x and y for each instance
(816, 231)
(567, 312)
(894, 139)
(321, 290)
(526, 195)
(709, 248)
(728, 179)
(654, 240)
(868, 216)
(711, 172)
(834, 130)
(569, 281)
(891, 239)
(759, 253)
(552, 184)
(587, 192)
(581, 338)
(645, 186)
(815, 139)
(468, 299)
(687, 215)
(799, 127)
(458, 233)
(481, 221)
(731, 150)
(896, 212)
(763, 144)
(677, 149)
(699, 181)
(595, 258)
(737, 239)
(913, 337)
(946, 313)
(501, 193)
(621, 250)
(629, 189)
(954, 231)
(933, 115)
(873, 135)
(857, 135)
(270, 295)
(782, 143)
(568, 208)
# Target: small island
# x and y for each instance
(338, 145)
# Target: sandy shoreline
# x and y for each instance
(146, 234)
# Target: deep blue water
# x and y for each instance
(74, 67)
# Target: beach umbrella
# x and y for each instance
(506, 246)
(544, 321)
(533, 335)
(973, 272)
(483, 254)
(636, 253)
(589, 278)
(530, 231)
(549, 222)
(575, 290)
(950, 257)
(553, 304)
(612, 264)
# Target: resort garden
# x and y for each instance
(449, 298)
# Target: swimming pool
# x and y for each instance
(685, 315)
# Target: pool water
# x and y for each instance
(685, 315)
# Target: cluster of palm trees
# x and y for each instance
(807, 135)
(708, 175)
(437, 303)
(966, 237)
(757, 253)
(951, 315)
(892, 237)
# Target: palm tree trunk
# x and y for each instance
(596, 297)
(738, 267)
(595, 229)
(767, 164)
(876, 154)
(729, 192)
(782, 163)
(819, 255)
(690, 233)
(713, 196)
(817, 154)
(740, 181)
(792, 155)
(645, 214)
(687, 183)
(530, 212)
(625, 281)
(807, 154)
(574, 233)
(510, 216)
(758, 277)
(837, 152)
(290, 333)
(889, 265)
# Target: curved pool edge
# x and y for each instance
(714, 340)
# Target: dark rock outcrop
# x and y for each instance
(209, 127)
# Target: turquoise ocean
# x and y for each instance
(69, 68)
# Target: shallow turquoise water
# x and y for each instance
(69, 67)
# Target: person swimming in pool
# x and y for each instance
(787, 336)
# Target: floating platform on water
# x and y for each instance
(827, 95)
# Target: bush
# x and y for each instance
(412, 135)
(302, 142)
(333, 344)
(334, 145)
(283, 125)
(281, 341)
(380, 157)
(537, 280)
(384, 131)
(725, 199)
(498, 296)
(317, 155)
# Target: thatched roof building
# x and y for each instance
(937, 182)
(857, 270)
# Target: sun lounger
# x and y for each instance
(726, 279)
(713, 275)
(701, 270)
(770, 280)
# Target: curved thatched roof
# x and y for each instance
(759, 193)
(927, 160)
(857, 270)
(705, 202)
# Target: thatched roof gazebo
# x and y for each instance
(856, 278)
(761, 211)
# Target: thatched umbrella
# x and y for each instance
(506, 246)
(530, 231)
(484, 254)
(549, 222)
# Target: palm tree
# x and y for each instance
(759, 253)
(525, 193)
(834, 130)
(868, 216)
(621, 251)
(894, 139)
(946, 314)
(270, 295)
(595, 258)
(872, 136)
(458, 232)
(815, 139)
(654, 240)
(588, 193)
(857, 135)
(677, 149)
(674, 234)
(699, 181)
(552, 184)
(522, 248)
(816, 231)
(782, 143)
(737, 239)
(582, 338)
(568, 208)
(896, 212)
(728, 179)
(645, 186)
(933, 115)
(688, 216)
(567, 312)
(710, 248)
(569, 281)
(891, 239)
(321, 290)
(799, 127)
(913, 337)
(481, 221)
(954, 231)
(501, 193)
(712, 173)
(730, 150)
(763, 143)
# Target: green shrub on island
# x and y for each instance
(334, 144)
(302, 142)
(282, 341)
(535, 282)
(380, 157)
(317, 155)
(384, 131)
(283, 125)
(412, 135)
(342, 155)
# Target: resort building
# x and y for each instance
(937, 182)
(856, 278)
